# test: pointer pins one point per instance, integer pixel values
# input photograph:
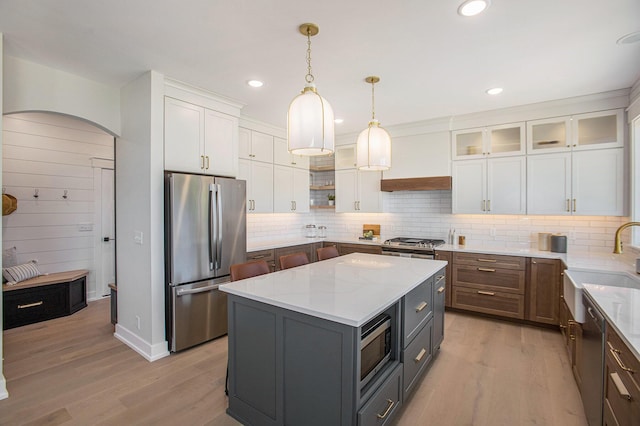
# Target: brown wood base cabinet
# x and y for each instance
(621, 382)
(543, 290)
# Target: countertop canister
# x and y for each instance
(544, 240)
(558, 243)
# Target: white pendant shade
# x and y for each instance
(310, 126)
(373, 148)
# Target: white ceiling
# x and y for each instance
(432, 62)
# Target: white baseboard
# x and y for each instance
(149, 352)
(3, 388)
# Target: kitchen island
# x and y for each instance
(294, 339)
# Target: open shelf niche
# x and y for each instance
(321, 181)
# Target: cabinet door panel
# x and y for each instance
(549, 135)
(283, 189)
(369, 195)
(221, 144)
(506, 186)
(244, 173)
(469, 187)
(549, 184)
(345, 157)
(346, 190)
(262, 147)
(300, 190)
(598, 130)
(262, 186)
(597, 182)
(244, 143)
(183, 136)
(281, 155)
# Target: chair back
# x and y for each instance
(240, 271)
(327, 252)
(293, 260)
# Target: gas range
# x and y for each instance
(411, 247)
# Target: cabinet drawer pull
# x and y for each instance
(487, 260)
(207, 157)
(420, 355)
(202, 161)
(30, 305)
(421, 306)
(260, 256)
(486, 270)
(486, 293)
(439, 277)
(386, 412)
(574, 205)
(615, 353)
(441, 289)
(622, 389)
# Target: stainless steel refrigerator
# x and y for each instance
(205, 233)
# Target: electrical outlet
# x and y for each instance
(138, 322)
(137, 237)
(84, 227)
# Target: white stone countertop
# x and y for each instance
(621, 306)
(349, 289)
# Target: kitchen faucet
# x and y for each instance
(617, 245)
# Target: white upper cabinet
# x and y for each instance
(199, 140)
(345, 157)
(283, 157)
(259, 177)
(590, 182)
(596, 130)
(424, 155)
(358, 191)
(494, 186)
(292, 190)
(255, 146)
(495, 141)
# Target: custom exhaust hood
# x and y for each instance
(434, 183)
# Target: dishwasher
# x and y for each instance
(592, 357)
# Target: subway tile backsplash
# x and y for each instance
(428, 214)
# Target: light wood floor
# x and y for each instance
(72, 371)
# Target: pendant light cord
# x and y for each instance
(309, 77)
(373, 102)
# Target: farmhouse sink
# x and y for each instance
(573, 287)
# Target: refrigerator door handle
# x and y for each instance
(184, 292)
(219, 227)
(213, 256)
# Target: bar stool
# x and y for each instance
(240, 271)
(293, 260)
(327, 252)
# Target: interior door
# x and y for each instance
(108, 226)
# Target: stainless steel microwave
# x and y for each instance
(375, 347)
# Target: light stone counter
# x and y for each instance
(349, 289)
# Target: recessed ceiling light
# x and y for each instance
(494, 91)
(629, 38)
(473, 7)
(338, 121)
(255, 83)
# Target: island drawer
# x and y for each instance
(490, 278)
(489, 260)
(418, 308)
(622, 380)
(385, 403)
(489, 302)
(417, 356)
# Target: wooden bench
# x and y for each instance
(45, 297)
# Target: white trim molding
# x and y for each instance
(149, 352)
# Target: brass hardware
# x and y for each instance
(622, 389)
(260, 256)
(574, 205)
(202, 161)
(615, 353)
(534, 262)
(207, 157)
(30, 305)
(439, 277)
(441, 289)
(391, 404)
(484, 204)
(568, 205)
(486, 293)
(372, 79)
(562, 327)
(488, 205)
(421, 306)
(487, 260)
(486, 270)
(617, 245)
(309, 29)
(420, 355)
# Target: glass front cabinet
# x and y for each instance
(494, 141)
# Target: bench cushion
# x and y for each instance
(15, 274)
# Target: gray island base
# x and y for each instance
(295, 339)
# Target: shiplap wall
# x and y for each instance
(52, 153)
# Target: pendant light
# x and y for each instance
(373, 147)
(310, 124)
